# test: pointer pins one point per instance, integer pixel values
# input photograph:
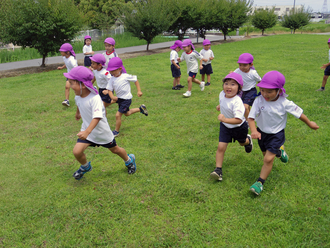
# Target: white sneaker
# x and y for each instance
(202, 85)
(187, 94)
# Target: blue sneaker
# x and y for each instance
(143, 109)
(131, 166)
(115, 133)
(81, 171)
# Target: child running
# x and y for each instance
(208, 56)
(95, 129)
(70, 62)
(175, 66)
(87, 50)
(191, 56)
(250, 78)
(233, 125)
(120, 83)
(326, 68)
(270, 112)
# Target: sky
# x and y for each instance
(316, 5)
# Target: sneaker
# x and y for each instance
(216, 176)
(143, 110)
(131, 166)
(320, 89)
(81, 171)
(202, 85)
(176, 88)
(180, 86)
(256, 188)
(187, 94)
(284, 157)
(115, 133)
(66, 103)
(207, 84)
(248, 148)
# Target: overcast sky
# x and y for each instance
(316, 5)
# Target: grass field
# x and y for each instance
(170, 201)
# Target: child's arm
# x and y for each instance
(222, 118)
(61, 67)
(84, 134)
(309, 123)
(325, 66)
(201, 64)
(218, 107)
(78, 116)
(254, 132)
(173, 62)
(139, 92)
(112, 96)
(93, 80)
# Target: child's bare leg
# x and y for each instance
(178, 80)
(324, 81)
(78, 152)
(268, 164)
(174, 82)
(195, 80)
(190, 83)
(220, 154)
(247, 141)
(203, 77)
(118, 120)
(132, 111)
(208, 76)
(247, 110)
(121, 152)
(67, 90)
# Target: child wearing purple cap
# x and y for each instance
(326, 68)
(95, 129)
(250, 78)
(208, 56)
(70, 62)
(233, 125)
(87, 50)
(110, 52)
(191, 56)
(270, 112)
(175, 66)
(120, 82)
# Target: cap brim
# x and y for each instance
(67, 75)
(265, 85)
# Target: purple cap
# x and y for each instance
(178, 43)
(272, 80)
(98, 58)
(114, 64)
(188, 42)
(87, 37)
(245, 58)
(110, 41)
(206, 42)
(238, 78)
(329, 41)
(66, 47)
(84, 75)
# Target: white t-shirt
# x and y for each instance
(249, 79)
(231, 108)
(108, 57)
(87, 49)
(102, 77)
(70, 63)
(329, 55)
(191, 60)
(206, 55)
(271, 116)
(174, 56)
(91, 107)
(122, 85)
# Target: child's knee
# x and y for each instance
(77, 152)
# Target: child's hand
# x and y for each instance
(105, 92)
(205, 60)
(256, 135)
(179, 60)
(59, 68)
(139, 93)
(92, 52)
(177, 66)
(211, 58)
(82, 135)
(323, 66)
(114, 99)
(313, 125)
(201, 67)
(78, 116)
(231, 72)
(218, 107)
(221, 117)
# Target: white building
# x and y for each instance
(280, 10)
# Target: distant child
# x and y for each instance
(95, 129)
(87, 50)
(208, 56)
(326, 71)
(250, 78)
(102, 77)
(70, 62)
(191, 56)
(233, 125)
(175, 66)
(120, 83)
(270, 112)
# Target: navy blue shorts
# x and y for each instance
(124, 105)
(207, 69)
(105, 98)
(87, 61)
(191, 74)
(271, 142)
(92, 144)
(175, 71)
(227, 135)
(327, 71)
(249, 96)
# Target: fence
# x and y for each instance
(97, 34)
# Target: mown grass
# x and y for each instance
(170, 201)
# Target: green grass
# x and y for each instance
(170, 201)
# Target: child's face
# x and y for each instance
(96, 66)
(329, 44)
(88, 42)
(65, 54)
(269, 94)
(230, 87)
(116, 73)
(177, 49)
(75, 85)
(187, 49)
(109, 48)
(244, 67)
(206, 47)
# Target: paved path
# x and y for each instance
(59, 59)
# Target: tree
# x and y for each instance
(44, 24)
(295, 19)
(263, 19)
(148, 18)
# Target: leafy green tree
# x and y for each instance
(263, 19)
(43, 24)
(296, 19)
